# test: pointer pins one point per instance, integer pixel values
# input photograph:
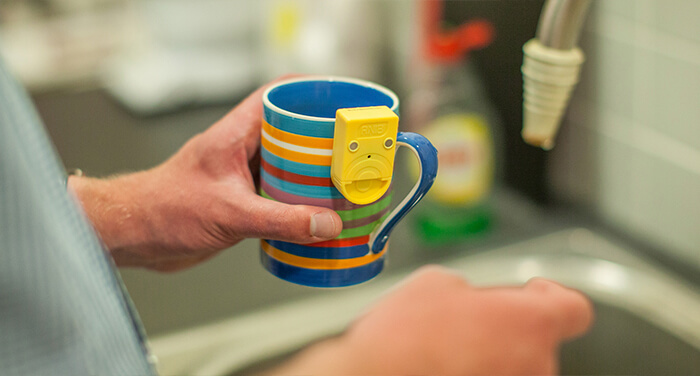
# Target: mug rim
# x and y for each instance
(356, 81)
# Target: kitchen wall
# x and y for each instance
(629, 149)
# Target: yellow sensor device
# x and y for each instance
(364, 146)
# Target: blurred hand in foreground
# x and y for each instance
(435, 323)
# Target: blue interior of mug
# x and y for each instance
(320, 98)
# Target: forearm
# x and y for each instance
(118, 210)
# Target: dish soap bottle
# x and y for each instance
(449, 107)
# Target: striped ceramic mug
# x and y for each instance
(297, 145)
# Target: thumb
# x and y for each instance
(270, 219)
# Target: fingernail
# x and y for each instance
(322, 225)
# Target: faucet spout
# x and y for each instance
(551, 67)
(561, 22)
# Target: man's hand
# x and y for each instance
(200, 201)
(435, 323)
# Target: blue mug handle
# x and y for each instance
(427, 158)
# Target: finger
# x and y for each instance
(246, 117)
(574, 309)
(249, 110)
(269, 219)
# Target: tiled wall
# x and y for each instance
(630, 146)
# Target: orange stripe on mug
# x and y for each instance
(295, 156)
(312, 263)
(306, 141)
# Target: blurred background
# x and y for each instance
(122, 84)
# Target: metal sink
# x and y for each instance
(623, 343)
(647, 319)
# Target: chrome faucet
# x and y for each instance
(551, 67)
